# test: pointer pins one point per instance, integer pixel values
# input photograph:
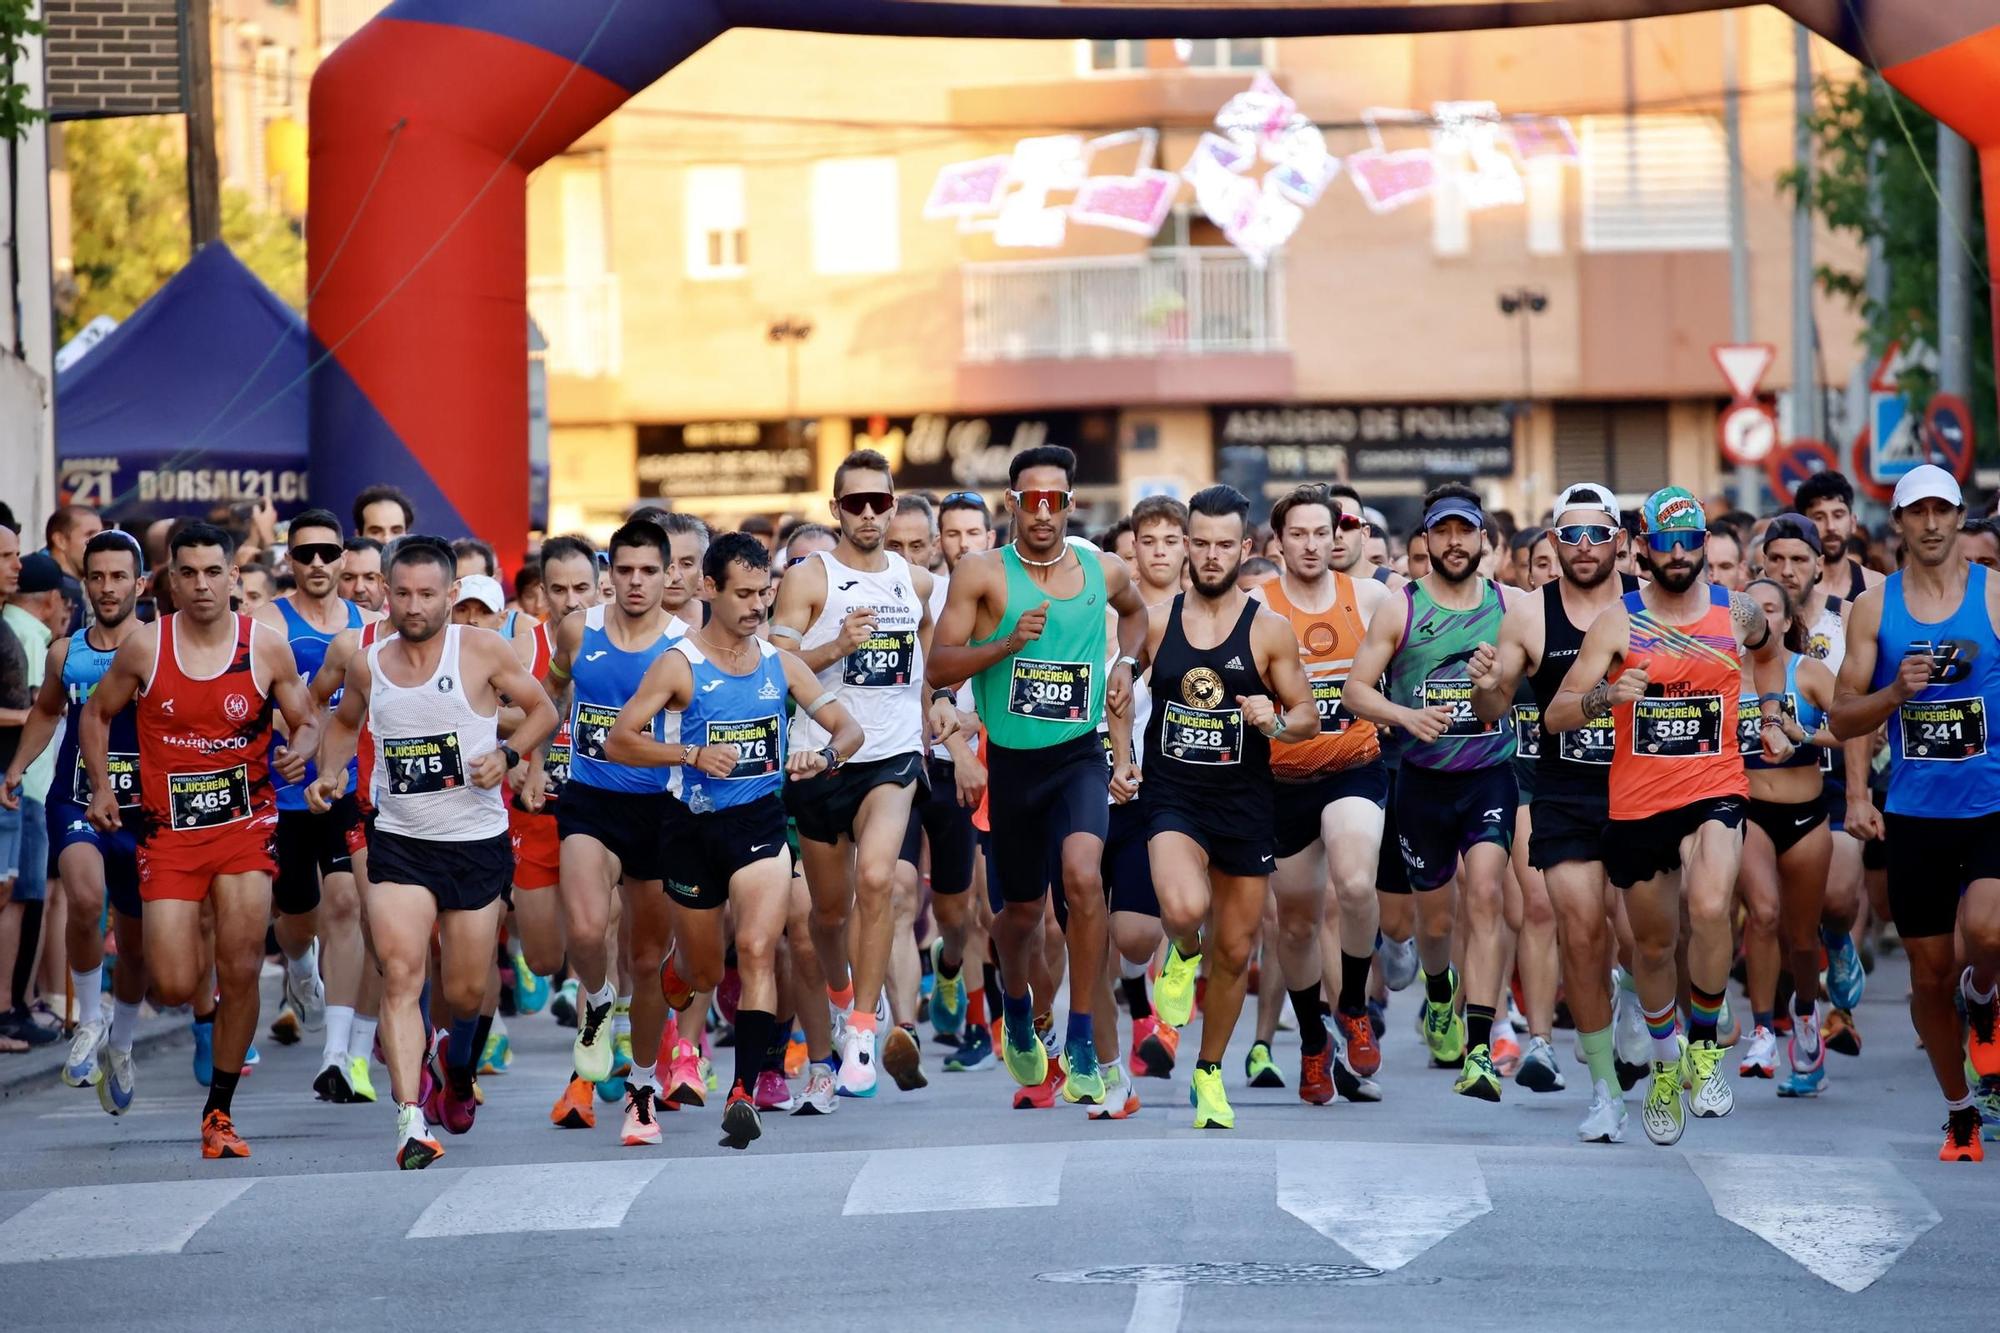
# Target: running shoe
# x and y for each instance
(1121, 1098)
(531, 992)
(1043, 1095)
(773, 1093)
(417, 1147)
(219, 1137)
(1026, 1058)
(1982, 1042)
(451, 1111)
(1808, 1067)
(1709, 1093)
(1211, 1104)
(1350, 1085)
(498, 1055)
(1727, 1029)
(1604, 1122)
(641, 1128)
(1155, 1047)
(1259, 1069)
(947, 996)
(685, 1082)
(1506, 1051)
(594, 1048)
(858, 1075)
(1962, 1137)
(309, 996)
(1173, 993)
(1316, 1076)
(1363, 1053)
(819, 1097)
(1477, 1077)
(1845, 979)
(1045, 1032)
(251, 1059)
(562, 1007)
(1760, 1054)
(330, 1084)
(903, 1057)
(358, 1080)
(741, 1125)
(1840, 1033)
(975, 1051)
(114, 1089)
(204, 1051)
(1444, 1029)
(1398, 959)
(1538, 1071)
(1665, 1115)
(679, 995)
(1631, 1044)
(1378, 1016)
(286, 1029)
(1083, 1081)
(86, 1048)
(795, 1054)
(1985, 1096)
(575, 1108)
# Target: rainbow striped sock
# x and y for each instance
(1704, 1013)
(1663, 1027)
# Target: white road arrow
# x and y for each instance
(1385, 1204)
(1848, 1220)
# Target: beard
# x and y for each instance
(1218, 589)
(1678, 580)
(1833, 547)
(1442, 565)
(1605, 569)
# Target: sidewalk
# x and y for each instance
(42, 1067)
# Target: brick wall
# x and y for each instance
(113, 56)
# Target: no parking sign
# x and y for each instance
(1948, 434)
(1788, 467)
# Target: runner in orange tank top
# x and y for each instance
(1666, 661)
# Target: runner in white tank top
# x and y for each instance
(881, 682)
(427, 738)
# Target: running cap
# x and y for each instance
(484, 589)
(1795, 527)
(41, 573)
(1454, 506)
(1927, 481)
(1587, 495)
(1672, 509)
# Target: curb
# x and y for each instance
(24, 1074)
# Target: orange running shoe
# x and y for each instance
(1506, 1056)
(795, 1057)
(1043, 1095)
(679, 994)
(1982, 1044)
(1316, 1074)
(1159, 1046)
(1364, 1056)
(1961, 1137)
(219, 1137)
(575, 1108)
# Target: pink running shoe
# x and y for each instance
(773, 1093)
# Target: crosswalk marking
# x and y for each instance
(1385, 1204)
(1847, 1221)
(544, 1196)
(114, 1221)
(930, 1180)
(1156, 1307)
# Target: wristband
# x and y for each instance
(942, 693)
(1128, 660)
(1771, 698)
(832, 757)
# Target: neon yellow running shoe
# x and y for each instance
(1083, 1081)
(1211, 1104)
(1665, 1114)
(1173, 993)
(1444, 1029)
(358, 1081)
(1260, 1070)
(1027, 1059)
(1478, 1078)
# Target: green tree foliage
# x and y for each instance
(1858, 118)
(128, 221)
(17, 23)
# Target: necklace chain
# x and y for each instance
(1040, 564)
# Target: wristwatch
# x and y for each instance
(1130, 661)
(832, 757)
(513, 757)
(942, 693)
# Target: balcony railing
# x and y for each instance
(1193, 301)
(579, 317)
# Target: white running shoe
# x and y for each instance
(1630, 1041)
(1399, 961)
(857, 1063)
(308, 995)
(1604, 1122)
(114, 1089)
(1708, 1091)
(1760, 1055)
(81, 1069)
(819, 1098)
(1538, 1071)
(1121, 1099)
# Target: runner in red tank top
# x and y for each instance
(206, 683)
(1664, 662)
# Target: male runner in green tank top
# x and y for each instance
(1026, 625)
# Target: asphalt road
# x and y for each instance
(945, 1207)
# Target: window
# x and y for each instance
(1655, 182)
(1623, 445)
(856, 218)
(1120, 53)
(1545, 205)
(1107, 55)
(717, 245)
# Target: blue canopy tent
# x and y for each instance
(199, 400)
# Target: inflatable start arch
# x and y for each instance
(426, 123)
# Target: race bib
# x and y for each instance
(1333, 715)
(420, 765)
(1592, 743)
(885, 660)
(556, 760)
(1111, 752)
(1049, 691)
(1456, 695)
(124, 780)
(1750, 724)
(1200, 735)
(1946, 731)
(208, 800)
(590, 728)
(1683, 727)
(756, 742)
(1528, 731)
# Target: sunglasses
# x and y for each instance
(1054, 501)
(1350, 522)
(858, 503)
(1576, 534)
(963, 497)
(316, 553)
(1665, 542)
(797, 560)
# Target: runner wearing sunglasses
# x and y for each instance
(1026, 624)
(1668, 663)
(1539, 639)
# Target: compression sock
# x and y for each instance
(753, 1035)
(1600, 1052)
(1312, 1022)
(1704, 1013)
(1478, 1025)
(1136, 998)
(1663, 1027)
(1437, 986)
(774, 1050)
(221, 1088)
(1354, 982)
(482, 1034)
(462, 1055)
(1080, 1030)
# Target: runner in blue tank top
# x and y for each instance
(1923, 659)
(93, 864)
(729, 689)
(608, 823)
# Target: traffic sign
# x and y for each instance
(1743, 365)
(1894, 444)
(1786, 468)
(1747, 433)
(1948, 434)
(1862, 468)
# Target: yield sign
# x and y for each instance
(1743, 365)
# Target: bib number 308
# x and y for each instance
(1049, 691)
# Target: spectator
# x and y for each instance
(384, 513)
(529, 594)
(157, 533)
(475, 557)
(67, 532)
(15, 697)
(361, 574)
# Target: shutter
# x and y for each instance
(1654, 182)
(1583, 444)
(1639, 446)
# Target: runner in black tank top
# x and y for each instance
(1207, 794)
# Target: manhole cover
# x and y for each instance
(1217, 1275)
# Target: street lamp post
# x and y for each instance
(1525, 303)
(790, 332)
